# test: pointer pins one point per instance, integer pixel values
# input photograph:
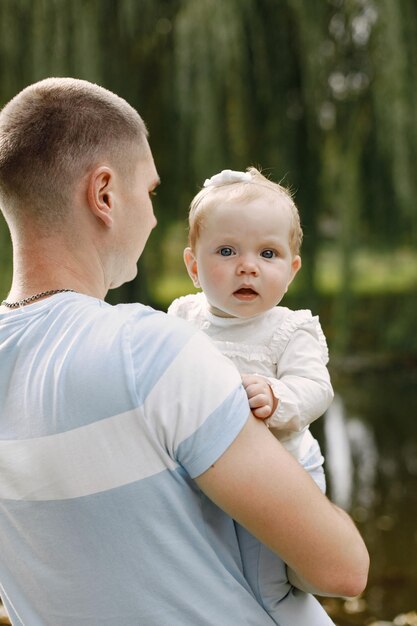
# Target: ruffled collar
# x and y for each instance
(219, 321)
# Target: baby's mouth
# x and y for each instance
(246, 290)
(245, 293)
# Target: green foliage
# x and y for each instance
(5, 259)
(321, 94)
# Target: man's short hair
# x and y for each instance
(51, 134)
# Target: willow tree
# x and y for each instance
(393, 92)
(123, 45)
(336, 82)
(242, 98)
(320, 94)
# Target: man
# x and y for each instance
(125, 436)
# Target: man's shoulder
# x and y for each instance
(136, 316)
(98, 323)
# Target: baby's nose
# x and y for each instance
(248, 265)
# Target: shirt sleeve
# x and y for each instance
(195, 403)
(302, 387)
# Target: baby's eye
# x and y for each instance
(268, 254)
(225, 251)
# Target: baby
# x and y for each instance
(244, 243)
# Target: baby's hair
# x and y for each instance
(51, 134)
(257, 186)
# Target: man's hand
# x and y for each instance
(261, 399)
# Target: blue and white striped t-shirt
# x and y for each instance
(106, 415)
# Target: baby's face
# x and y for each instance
(243, 260)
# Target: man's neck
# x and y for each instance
(49, 267)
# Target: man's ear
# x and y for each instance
(100, 194)
(191, 265)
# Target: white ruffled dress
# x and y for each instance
(288, 348)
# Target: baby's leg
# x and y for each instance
(267, 577)
(313, 464)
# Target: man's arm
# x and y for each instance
(259, 484)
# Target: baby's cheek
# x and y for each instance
(217, 274)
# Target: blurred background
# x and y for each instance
(322, 95)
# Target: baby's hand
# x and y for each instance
(260, 396)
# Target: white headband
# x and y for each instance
(225, 177)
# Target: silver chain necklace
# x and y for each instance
(38, 296)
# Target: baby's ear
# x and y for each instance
(295, 267)
(191, 265)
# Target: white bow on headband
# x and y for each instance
(227, 176)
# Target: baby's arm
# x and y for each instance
(302, 387)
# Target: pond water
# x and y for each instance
(369, 438)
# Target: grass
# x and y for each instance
(393, 271)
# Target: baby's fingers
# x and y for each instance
(263, 412)
(250, 379)
(260, 406)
